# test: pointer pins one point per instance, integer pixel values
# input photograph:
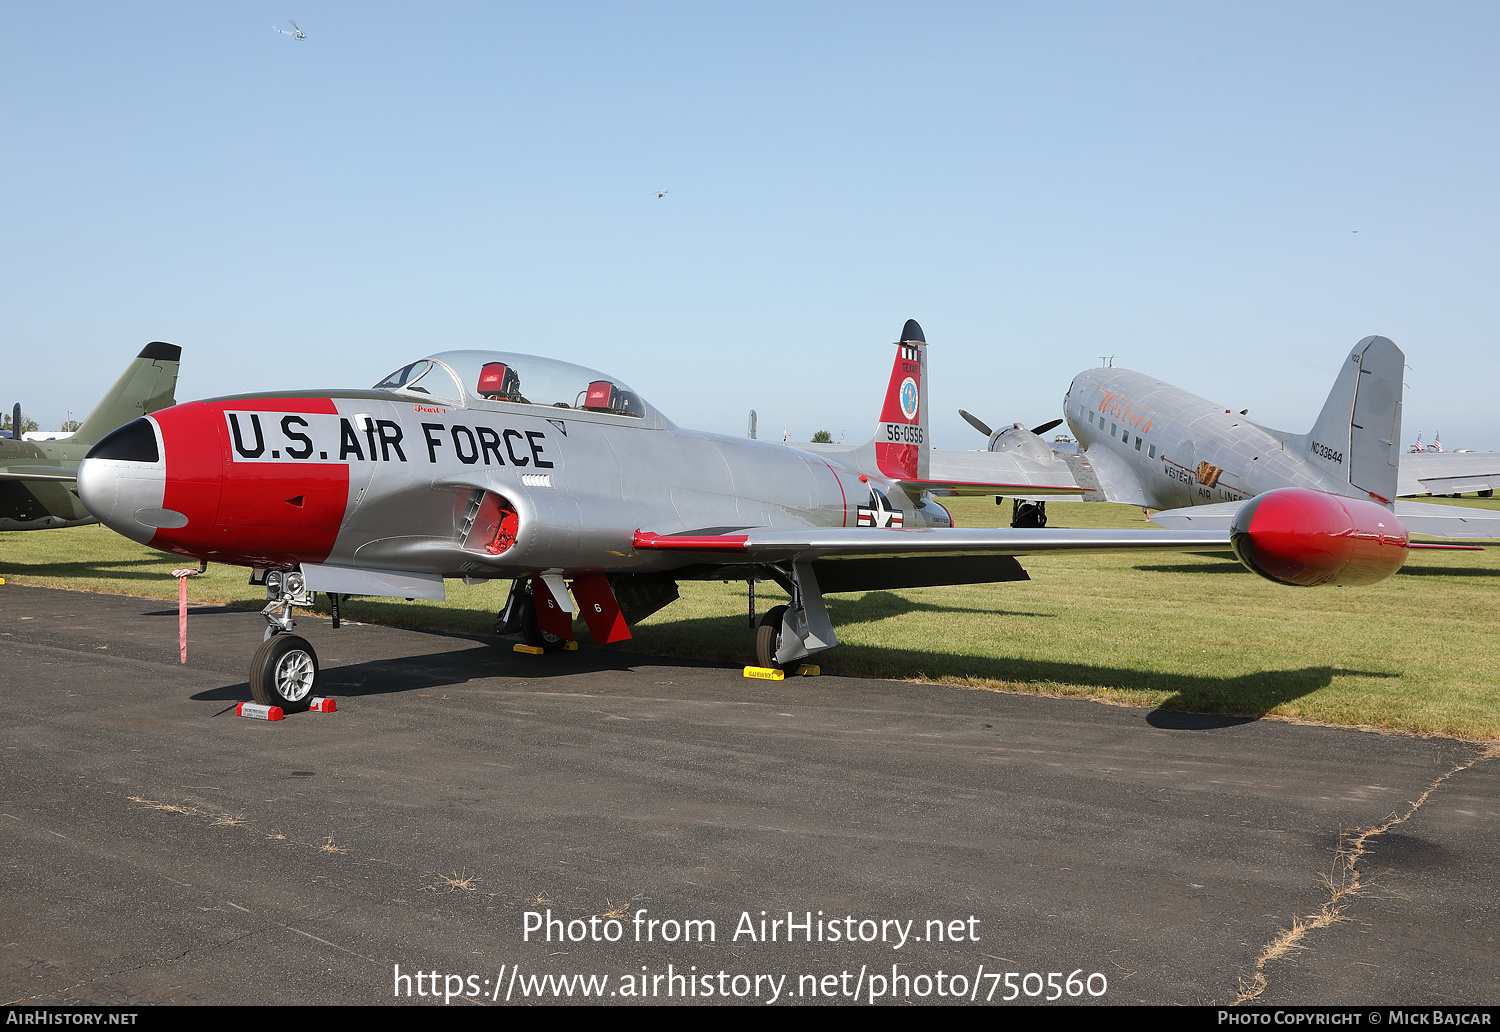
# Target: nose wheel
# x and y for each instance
(284, 672)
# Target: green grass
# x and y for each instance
(1181, 632)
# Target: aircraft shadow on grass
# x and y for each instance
(1197, 701)
(1230, 567)
(881, 605)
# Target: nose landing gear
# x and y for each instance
(284, 670)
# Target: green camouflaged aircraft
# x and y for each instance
(37, 478)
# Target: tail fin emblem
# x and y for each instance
(909, 398)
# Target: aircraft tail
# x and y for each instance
(901, 438)
(1357, 437)
(148, 384)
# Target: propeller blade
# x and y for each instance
(977, 423)
(1039, 430)
(15, 423)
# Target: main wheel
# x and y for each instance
(284, 672)
(1030, 515)
(531, 630)
(768, 638)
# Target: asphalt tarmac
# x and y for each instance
(159, 849)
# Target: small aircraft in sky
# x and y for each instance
(37, 477)
(476, 465)
(1153, 445)
(293, 32)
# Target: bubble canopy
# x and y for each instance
(500, 379)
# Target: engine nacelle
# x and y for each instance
(1306, 538)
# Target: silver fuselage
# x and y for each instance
(1162, 448)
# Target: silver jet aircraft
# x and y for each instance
(477, 465)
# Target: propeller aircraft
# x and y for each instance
(1159, 447)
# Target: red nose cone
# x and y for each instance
(248, 497)
(1302, 537)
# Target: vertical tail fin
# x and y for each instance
(147, 384)
(901, 440)
(1358, 434)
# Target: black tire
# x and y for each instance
(768, 638)
(531, 631)
(284, 672)
(1030, 516)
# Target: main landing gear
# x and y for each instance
(531, 627)
(768, 638)
(1024, 515)
(788, 634)
(284, 670)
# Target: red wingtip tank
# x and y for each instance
(1309, 538)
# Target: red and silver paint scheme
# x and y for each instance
(478, 465)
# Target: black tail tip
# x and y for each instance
(911, 333)
(161, 350)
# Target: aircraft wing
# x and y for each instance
(1438, 473)
(35, 473)
(977, 473)
(1446, 521)
(766, 545)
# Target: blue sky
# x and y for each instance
(1178, 185)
